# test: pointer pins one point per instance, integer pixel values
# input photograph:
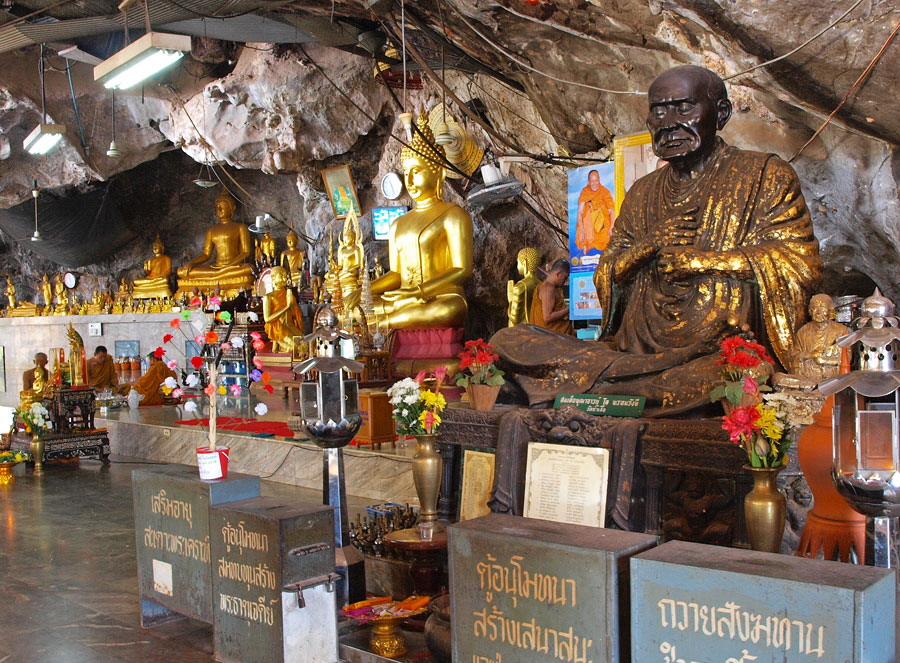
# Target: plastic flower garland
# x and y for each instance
(759, 423)
(476, 365)
(417, 409)
(36, 419)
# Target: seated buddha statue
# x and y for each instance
(292, 260)
(281, 314)
(520, 294)
(95, 306)
(158, 269)
(61, 296)
(226, 248)
(429, 248)
(331, 281)
(350, 259)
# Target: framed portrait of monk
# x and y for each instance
(341, 191)
(634, 158)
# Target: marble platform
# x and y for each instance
(151, 433)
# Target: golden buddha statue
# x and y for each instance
(158, 269)
(281, 314)
(47, 293)
(10, 293)
(95, 307)
(331, 281)
(429, 248)
(230, 242)
(266, 249)
(520, 293)
(61, 296)
(350, 259)
(123, 293)
(292, 260)
(377, 269)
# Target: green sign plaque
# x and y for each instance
(605, 406)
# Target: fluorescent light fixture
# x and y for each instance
(141, 59)
(44, 138)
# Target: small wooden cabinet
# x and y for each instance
(378, 424)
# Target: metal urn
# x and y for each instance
(329, 405)
(866, 447)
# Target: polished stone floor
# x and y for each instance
(69, 581)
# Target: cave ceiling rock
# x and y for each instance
(278, 112)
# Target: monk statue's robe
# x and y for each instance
(662, 334)
(148, 385)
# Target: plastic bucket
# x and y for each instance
(213, 464)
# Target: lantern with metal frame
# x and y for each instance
(866, 445)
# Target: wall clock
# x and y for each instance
(69, 280)
(391, 186)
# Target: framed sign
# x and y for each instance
(127, 348)
(477, 483)
(566, 484)
(634, 158)
(341, 191)
(383, 217)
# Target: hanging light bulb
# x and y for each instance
(113, 151)
(36, 237)
(406, 121)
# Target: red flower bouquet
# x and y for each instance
(476, 365)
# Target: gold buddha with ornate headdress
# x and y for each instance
(158, 268)
(350, 258)
(292, 259)
(222, 263)
(429, 248)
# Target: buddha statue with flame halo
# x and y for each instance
(350, 259)
(429, 248)
(158, 268)
(231, 245)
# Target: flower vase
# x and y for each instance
(765, 510)
(482, 396)
(6, 473)
(37, 452)
(427, 467)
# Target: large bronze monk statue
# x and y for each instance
(717, 241)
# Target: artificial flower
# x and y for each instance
(225, 346)
(159, 353)
(170, 382)
(190, 406)
(167, 338)
(261, 409)
(214, 302)
(741, 422)
(177, 393)
(255, 375)
(185, 315)
(196, 301)
(222, 390)
(197, 362)
(253, 317)
(211, 337)
(192, 380)
(476, 365)
(175, 323)
(172, 364)
(223, 316)
(268, 388)
(235, 389)
(237, 342)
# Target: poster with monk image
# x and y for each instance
(592, 214)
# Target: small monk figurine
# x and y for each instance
(281, 314)
(158, 269)
(520, 293)
(223, 262)
(292, 260)
(816, 354)
(47, 294)
(350, 258)
(429, 248)
(36, 379)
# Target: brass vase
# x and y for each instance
(37, 453)
(482, 396)
(765, 510)
(427, 468)
(6, 473)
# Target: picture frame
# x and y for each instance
(341, 191)
(477, 484)
(633, 157)
(126, 349)
(566, 484)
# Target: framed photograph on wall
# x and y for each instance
(341, 191)
(634, 158)
(126, 348)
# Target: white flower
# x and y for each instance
(261, 409)
(190, 406)
(404, 413)
(253, 317)
(170, 382)
(411, 399)
(237, 342)
(192, 380)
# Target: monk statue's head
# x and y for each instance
(527, 260)
(423, 162)
(821, 308)
(225, 206)
(688, 105)
(279, 277)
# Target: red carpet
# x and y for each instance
(254, 426)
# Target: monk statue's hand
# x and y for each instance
(679, 230)
(681, 263)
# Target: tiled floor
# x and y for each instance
(69, 580)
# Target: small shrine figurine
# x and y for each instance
(95, 307)
(61, 296)
(816, 354)
(223, 261)
(123, 293)
(282, 317)
(158, 269)
(10, 293)
(267, 249)
(47, 293)
(292, 260)
(520, 294)
(350, 258)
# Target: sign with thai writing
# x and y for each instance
(566, 484)
(693, 603)
(603, 406)
(171, 518)
(258, 546)
(539, 591)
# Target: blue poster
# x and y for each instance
(591, 210)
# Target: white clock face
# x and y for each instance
(69, 280)
(391, 186)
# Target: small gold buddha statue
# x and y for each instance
(282, 317)
(331, 280)
(350, 259)
(377, 269)
(429, 248)
(158, 269)
(223, 262)
(10, 293)
(292, 260)
(47, 293)
(95, 307)
(61, 296)
(122, 293)
(520, 293)
(267, 249)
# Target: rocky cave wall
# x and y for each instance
(275, 122)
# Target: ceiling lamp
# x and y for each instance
(206, 180)
(142, 59)
(36, 237)
(44, 136)
(113, 151)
